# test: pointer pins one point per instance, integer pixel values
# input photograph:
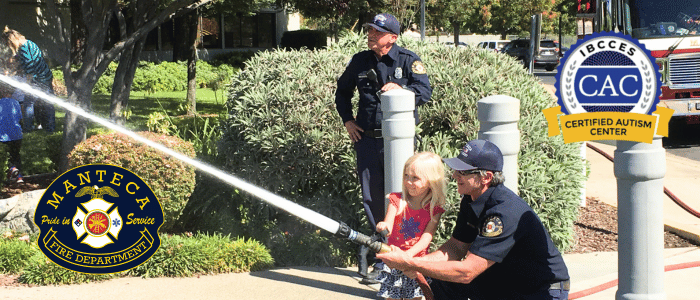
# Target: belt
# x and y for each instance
(373, 133)
(561, 285)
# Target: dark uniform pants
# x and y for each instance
(443, 290)
(370, 170)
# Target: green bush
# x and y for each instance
(235, 59)
(42, 271)
(204, 254)
(178, 256)
(202, 132)
(163, 77)
(171, 180)
(310, 39)
(15, 254)
(284, 133)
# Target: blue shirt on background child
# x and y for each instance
(10, 116)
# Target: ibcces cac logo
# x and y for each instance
(98, 219)
(608, 88)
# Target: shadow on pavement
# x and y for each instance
(318, 284)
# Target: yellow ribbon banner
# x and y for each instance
(608, 125)
(98, 260)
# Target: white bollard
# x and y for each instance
(498, 116)
(640, 169)
(398, 131)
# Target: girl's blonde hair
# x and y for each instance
(428, 165)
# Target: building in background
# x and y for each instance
(218, 34)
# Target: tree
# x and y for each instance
(139, 12)
(96, 16)
(187, 39)
(334, 16)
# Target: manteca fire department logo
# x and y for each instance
(608, 87)
(98, 219)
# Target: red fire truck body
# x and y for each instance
(670, 30)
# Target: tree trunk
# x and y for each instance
(77, 32)
(455, 30)
(192, 83)
(123, 80)
(75, 127)
(192, 62)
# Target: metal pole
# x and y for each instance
(398, 131)
(498, 117)
(640, 169)
(422, 20)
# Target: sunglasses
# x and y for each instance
(469, 172)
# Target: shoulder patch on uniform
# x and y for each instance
(492, 226)
(418, 67)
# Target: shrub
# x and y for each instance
(235, 59)
(204, 254)
(171, 180)
(202, 132)
(178, 256)
(162, 77)
(284, 133)
(15, 254)
(310, 39)
(42, 271)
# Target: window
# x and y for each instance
(241, 31)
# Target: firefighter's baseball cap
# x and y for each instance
(385, 23)
(477, 154)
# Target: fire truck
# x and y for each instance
(670, 30)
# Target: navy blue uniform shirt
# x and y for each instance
(400, 66)
(501, 227)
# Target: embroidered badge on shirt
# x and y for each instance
(418, 67)
(398, 73)
(492, 227)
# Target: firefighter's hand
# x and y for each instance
(390, 86)
(354, 131)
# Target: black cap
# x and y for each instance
(477, 154)
(385, 23)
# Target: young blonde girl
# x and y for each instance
(412, 218)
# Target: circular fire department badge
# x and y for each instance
(98, 219)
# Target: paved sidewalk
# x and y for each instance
(586, 270)
(682, 179)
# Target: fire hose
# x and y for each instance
(340, 229)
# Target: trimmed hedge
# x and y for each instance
(285, 135)
(171, 180)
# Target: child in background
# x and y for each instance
(11, 131)
(32, 63)
(412, 219)
(12, 69)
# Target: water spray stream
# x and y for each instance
(270, 198)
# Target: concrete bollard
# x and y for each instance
(398, 131)
(498, 116)
(640, 169)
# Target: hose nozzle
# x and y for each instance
(344, 231)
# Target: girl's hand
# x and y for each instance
(383, 226)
